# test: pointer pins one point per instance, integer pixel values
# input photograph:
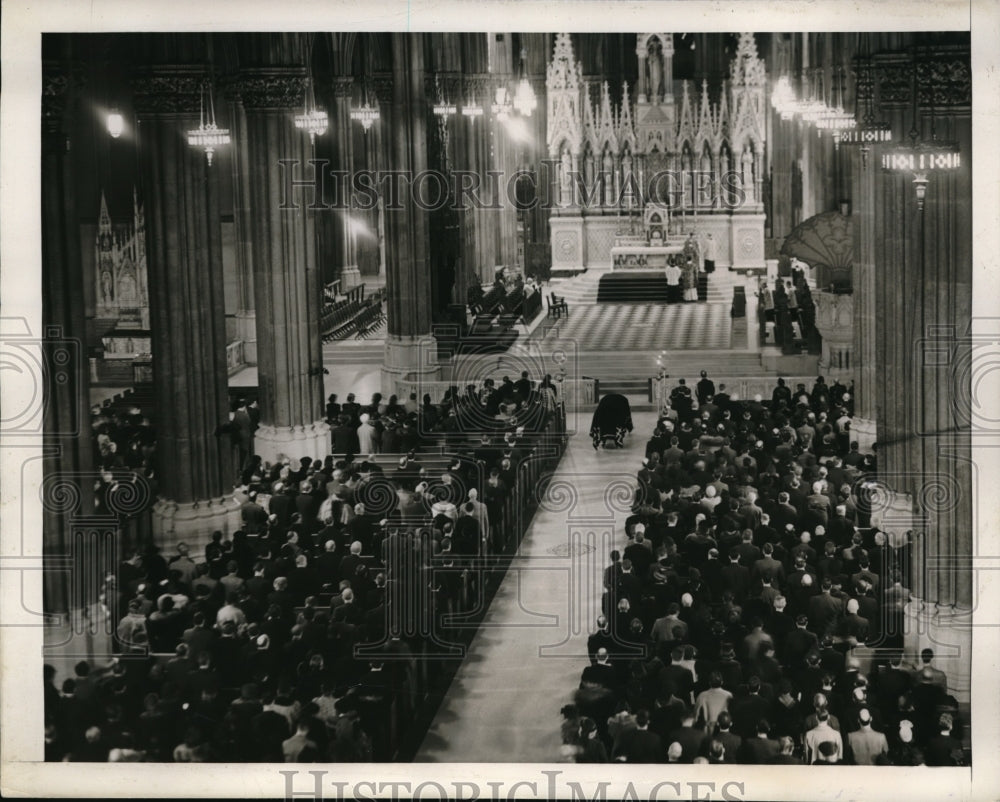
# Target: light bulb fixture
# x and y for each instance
(502, 106)
(115, 123)
(442, 108)
(208, 135)
(366, 114)
(923, 157)
(524, 96)
(472, 110)
(783, 98)
(313, 120)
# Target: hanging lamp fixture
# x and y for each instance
(366, 114)
(524, 96)
(313, 120)
(442, 108)
(208, 135)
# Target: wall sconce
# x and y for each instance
(115, 123)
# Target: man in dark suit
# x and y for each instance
(678, 677)
(252, 515)
(640, 745)
(349, 612)
(798, 643)
(601, 672)
(853, 625)
(688, 737)
(281, 504)
(767, 565)
(760, 749)
(731, 742)
(824, 610)
(784, 512)
(705, 388)
(749, 709)
(749, 553)
(736, 577)
(350, 562)
(944, 749)
(602, 639)
(344, 436)
(680, 399)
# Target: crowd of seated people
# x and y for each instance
(754, 615)
(124, 445)
(290, 641)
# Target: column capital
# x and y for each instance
(270, 88)
(382, 83)
(343, 86)
(169, 91)
(59, 79)
(450, 83)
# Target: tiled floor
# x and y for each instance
(525, 662)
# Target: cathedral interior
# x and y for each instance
(248, 235)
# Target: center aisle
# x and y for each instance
(524, 663)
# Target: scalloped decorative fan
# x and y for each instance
(824, 240)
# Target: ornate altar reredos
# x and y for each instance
(122, 294)
(652, 168)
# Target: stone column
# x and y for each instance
(343, 137)
(923, 348)
(835, 322)
(863, 282)
(68, 459)
(409, 346)
(187, 311)
(246, 319)
(287, 281)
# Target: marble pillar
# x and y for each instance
(68, 460)
(923, 300)
(863, 276)
(409, 347)
(287, 280)
(187, 312)
(350, 274)
(246, 318)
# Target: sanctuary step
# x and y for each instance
(641, 288)
(716, 287)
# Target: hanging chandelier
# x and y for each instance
(366, 114)
(313, 120)
(524, 96)
(208, 135)
(442, 108)
(837, 120)
(472, 109)
(783, 98)
(116, 123)
(502, 106)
